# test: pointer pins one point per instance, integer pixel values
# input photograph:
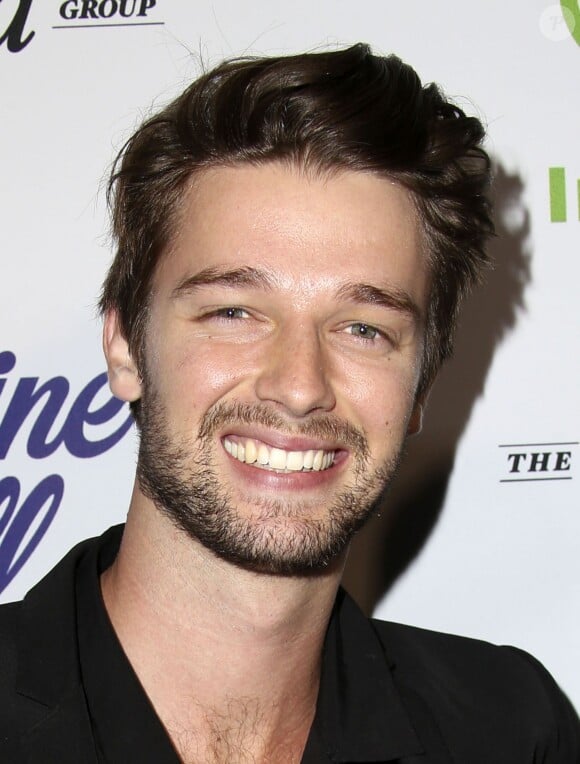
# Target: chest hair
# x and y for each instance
(238, 735)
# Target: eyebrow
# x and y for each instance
(247, 276)
(391, 297)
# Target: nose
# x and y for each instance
(295, 373)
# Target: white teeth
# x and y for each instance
(317, 463)
(277, 459)
(295, 460)
(251, 451)
(263, 454)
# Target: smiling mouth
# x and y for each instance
(259, 454)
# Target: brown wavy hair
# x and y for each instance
(348, 109)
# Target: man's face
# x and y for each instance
(282, 355)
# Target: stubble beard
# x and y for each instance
(278, 536)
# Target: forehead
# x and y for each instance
(303, 229)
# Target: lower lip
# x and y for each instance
(288, 480)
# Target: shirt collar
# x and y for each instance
(360, 716)
(125, 724)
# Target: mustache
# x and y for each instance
(321, 426)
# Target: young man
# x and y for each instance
(294, 237)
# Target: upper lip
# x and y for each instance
(276, 439)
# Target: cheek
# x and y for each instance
(200, 374)
(382, 397)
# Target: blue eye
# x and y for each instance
(364, 331)
(231, 313)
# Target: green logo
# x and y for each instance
(558, 204)
(571, 13)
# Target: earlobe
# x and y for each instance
(124, 379)
(416, 419)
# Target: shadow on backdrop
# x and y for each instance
(394, 537)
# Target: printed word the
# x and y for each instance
(528, 462)
(540, 461)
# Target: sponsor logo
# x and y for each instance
(527, 462)
(560, 21)
(16, 36)
(95, 13)
(558, 196)
(571, 14)
(47, 418)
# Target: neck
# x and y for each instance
(216, 646)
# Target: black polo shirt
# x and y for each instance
(359, 716)
(69, 696)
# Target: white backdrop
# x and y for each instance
(475, 542)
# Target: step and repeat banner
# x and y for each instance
(481, 535)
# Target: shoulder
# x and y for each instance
(9, 626)
(437, 656)
(505, 693)
(14, 708)
(38, 642)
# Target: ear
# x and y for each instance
(124, 379)
(416, 419)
